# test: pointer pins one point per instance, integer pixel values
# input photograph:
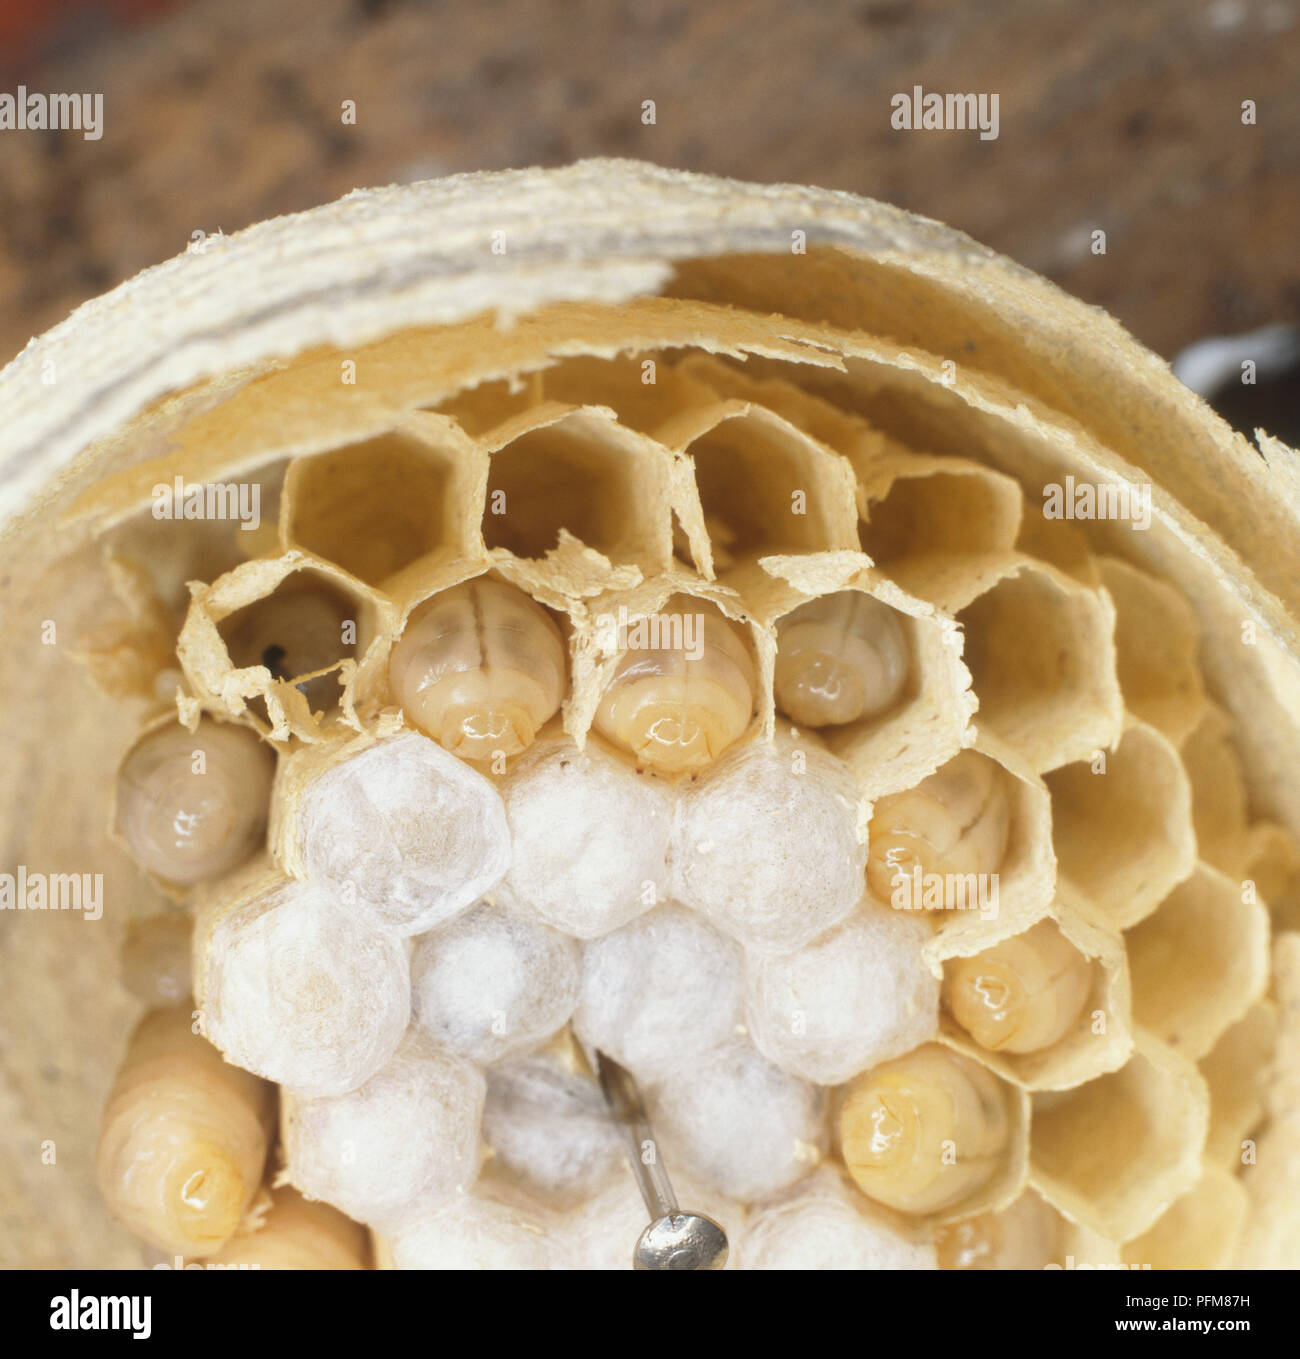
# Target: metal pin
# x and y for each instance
(674, 1239)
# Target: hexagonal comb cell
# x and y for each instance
(254, 639)
(480, 409)
(942, 527)
(879, 678)
(683, 688)
(1156, 638)
(381, 507)
(894, 1122)
(1113, 1153)
(1198, 962)
(1200, 1230)
(645, 390)
(307, 625)
(1219, 808)
(1048, 1008)
(1236, 1071)
(1028, 1234)
(1041, 656)
(1123, 824)
(557, 470)
(764, 487)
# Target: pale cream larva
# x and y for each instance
(297, 1233)
(925, 1131)
(839, 659)
(184, 1138)
(1021, 995)
(193, 805)
(956, 821)
(1022, 1236)
(480, 668)
(155, 958)
(683, 690)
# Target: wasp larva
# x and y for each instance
(840, 658)
(1021, 995)
(298, 1233)
(480, 668)
(955, 822)
(683, 690)
(155, 958)
(1019, 1237)
(192, 806)
(184, 1138)
(925, 1131)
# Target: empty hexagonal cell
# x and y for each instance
(1113, 1153)
(1270, 1178)
(761, 486)
(383, 506)
(1060, 542)
(1122, 824)
(943, 528)
(1199, 962)
(1040, 651)
(1200, 1230)
(259, 636)
(307, 624)
(1236, 1070)
(557, 470)
(645, 389)
(1219, 808)
(1156, 641)
(1273, 865)
(728, 378)
(1048, 1008)
(480, 409)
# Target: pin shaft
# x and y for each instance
(624, 1100)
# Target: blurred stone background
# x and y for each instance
(1113, 115)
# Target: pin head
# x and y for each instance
(681, 1241)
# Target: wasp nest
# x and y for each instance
(714, 688)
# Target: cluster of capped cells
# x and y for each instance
(886, 836)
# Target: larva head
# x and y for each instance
(840, 658)
(925, 1131)
(956, 821)
(683, 691)
(1021, 995)
(480, 668)
(294, 632)
(194, 806)
(202, 1196)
